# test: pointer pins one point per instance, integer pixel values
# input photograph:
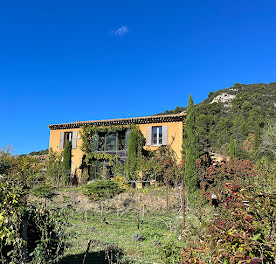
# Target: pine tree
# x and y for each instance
(191, 148)
(67, 153)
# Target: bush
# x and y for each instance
(243, 230)
(171, 253)
(43, 191)
(102, 189)
(10, 217)
(45, 233)
(162, 166)
(28, 233)
(213, 178)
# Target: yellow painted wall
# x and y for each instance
(76, 153)
(175, 135)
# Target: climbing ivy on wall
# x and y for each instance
(135, 145)
(89, 140)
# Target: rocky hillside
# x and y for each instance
(244, 111)
(262, 96)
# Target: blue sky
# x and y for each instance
(62, 61)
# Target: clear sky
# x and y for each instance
(62, 61)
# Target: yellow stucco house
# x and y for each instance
(157, 130)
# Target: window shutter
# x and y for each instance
(74, 139)
(61, 140)
(149, 135)
(164, 135)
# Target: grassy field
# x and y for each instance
(119, 232)
(113, 224)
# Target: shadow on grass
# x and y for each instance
(93, 257)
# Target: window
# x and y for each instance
(122, 140)
(95, 170)
(101, 141)
(112, 141)
(67, 137)
(157, 136)
(71, 136)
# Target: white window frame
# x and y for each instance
(158, 128)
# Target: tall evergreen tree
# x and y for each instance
(132, 154)
(67, 155)
(232, 147)
(191, 148)
(257, 139)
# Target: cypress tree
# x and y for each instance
(132, 154)
(67, 153)
(191, 148)
(232, 147)
(257, 139)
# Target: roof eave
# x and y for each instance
(122, 121)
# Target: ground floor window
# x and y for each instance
(95, 170)
(99, 170)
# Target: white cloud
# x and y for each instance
(121, 31)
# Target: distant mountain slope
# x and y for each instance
(260, 95)
(242, 111)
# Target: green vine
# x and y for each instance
(89, 134)
(135, 146)
(100, 156)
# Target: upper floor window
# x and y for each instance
(112, 141)
(67, 137)
(70, 136)
(157, 136)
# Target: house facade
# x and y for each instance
(157, 130)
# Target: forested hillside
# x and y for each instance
(243, 112)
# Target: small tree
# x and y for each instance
(67, 155)
(54, 168)
(6, 161)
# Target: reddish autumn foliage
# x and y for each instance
(214, 179)
(243, 230)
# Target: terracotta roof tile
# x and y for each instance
(123, 121)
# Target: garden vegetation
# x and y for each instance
(229, 206)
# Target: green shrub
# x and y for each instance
(171, 253)
(45, 234)
(28, 234)
(43, 191)
(102, 189)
